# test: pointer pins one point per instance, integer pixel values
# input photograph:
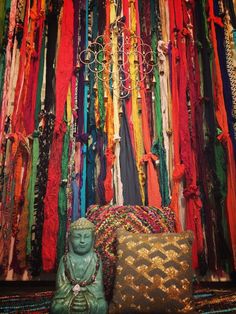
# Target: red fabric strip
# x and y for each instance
(38, 16)
(191, 193)
(64, 68)
(110, 158)
(178, 167)
(63, 75)
(51, 222)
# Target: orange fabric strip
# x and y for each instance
(154, 196)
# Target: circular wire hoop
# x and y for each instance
(135, 59)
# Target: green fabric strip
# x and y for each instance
(31, 194)
(221, 188)
(62, 197)
(2, 19)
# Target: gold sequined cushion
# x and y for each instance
(154, 273)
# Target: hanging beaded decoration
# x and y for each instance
(94, 58)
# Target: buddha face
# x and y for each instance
(82, 241)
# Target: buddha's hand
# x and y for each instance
(80, 304)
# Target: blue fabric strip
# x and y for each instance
(84, 148)
(75, 201)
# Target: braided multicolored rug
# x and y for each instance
(29, 303)
(215, 300)
(207, 300)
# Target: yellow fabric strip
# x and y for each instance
(68, 106)
(96, 109)
(136, 117)
(116, 105)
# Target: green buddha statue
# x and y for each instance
(79, 286)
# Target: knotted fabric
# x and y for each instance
(154, 197)
(178, 167)
(193, 202)
(63, 75)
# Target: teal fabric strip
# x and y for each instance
(31, 194)
(234, 36)
(75, 200)
(90, 190)
(84, 148)
(202, 295)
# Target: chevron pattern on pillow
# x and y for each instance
(154, 273)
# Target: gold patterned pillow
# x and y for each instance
(154, 273)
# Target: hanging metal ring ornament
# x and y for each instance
(143, 57)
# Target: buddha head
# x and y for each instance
(81, 236)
